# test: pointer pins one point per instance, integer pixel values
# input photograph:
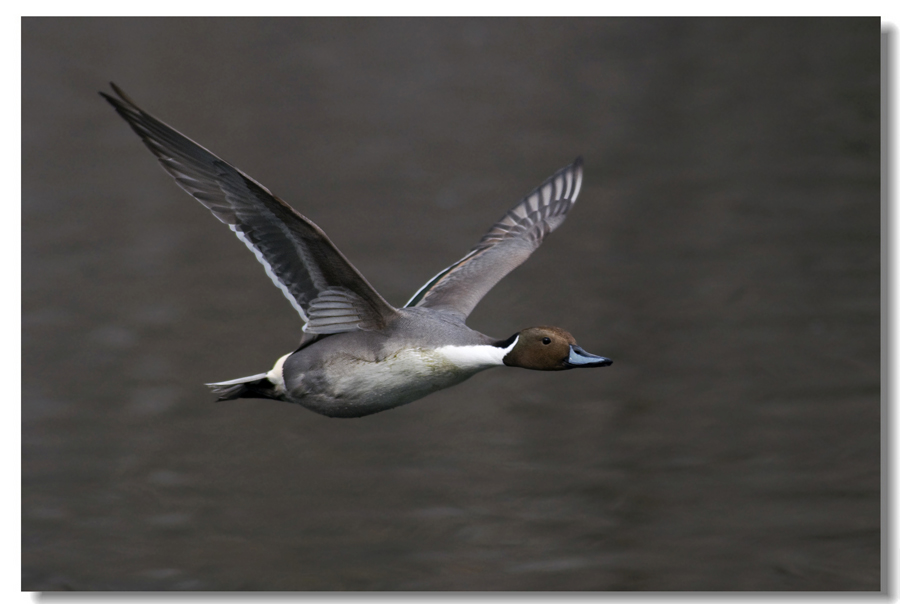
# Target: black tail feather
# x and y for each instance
(254, 387)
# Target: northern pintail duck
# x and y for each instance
(358, 354)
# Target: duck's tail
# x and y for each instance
(254, 386)
(262, 385)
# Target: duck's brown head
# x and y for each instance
(549, 349)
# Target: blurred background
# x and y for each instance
(724, 252)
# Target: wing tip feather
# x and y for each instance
(516, 222)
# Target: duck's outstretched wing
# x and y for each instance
(328, 292)
(508, 244)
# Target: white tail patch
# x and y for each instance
(276, 376)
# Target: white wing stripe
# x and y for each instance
(262, 260)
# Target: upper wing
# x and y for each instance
(508, 244)
(328, 292)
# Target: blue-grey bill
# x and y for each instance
(579, 357)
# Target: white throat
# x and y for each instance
(476, 358)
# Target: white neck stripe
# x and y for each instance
(476, 357)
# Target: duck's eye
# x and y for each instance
(546, 341)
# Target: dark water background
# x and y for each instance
(724, 251)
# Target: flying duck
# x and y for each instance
(359, 355)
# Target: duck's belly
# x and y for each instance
(346, 386)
